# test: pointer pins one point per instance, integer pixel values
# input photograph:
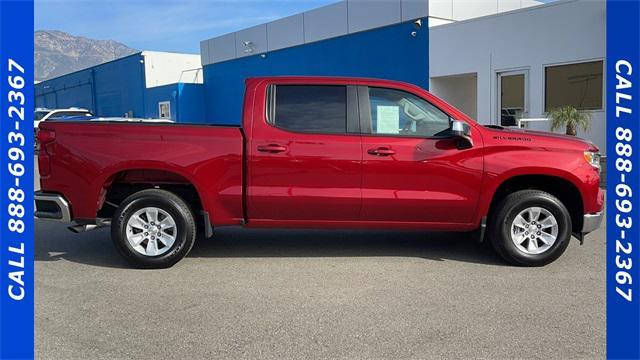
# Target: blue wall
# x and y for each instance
(389, 53)
(118, 87)
(191, 103)
(157, 94)
(187, 102)
(110, 89)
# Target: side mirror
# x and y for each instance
(462, 131)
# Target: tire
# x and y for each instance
(507, 229)
(174, 228)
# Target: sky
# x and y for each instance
(163, 25)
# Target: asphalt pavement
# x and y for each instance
(267, 294)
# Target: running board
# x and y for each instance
(99, 223)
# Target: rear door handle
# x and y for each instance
(381, 151)
(272, 148)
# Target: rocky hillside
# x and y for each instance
(58, 53)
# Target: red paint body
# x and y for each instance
(311, 180)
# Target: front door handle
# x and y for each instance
(272, 148)
(381, 151)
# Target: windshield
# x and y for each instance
(69, 114)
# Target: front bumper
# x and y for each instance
(592, 221)
(51, 206)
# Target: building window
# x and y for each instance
(305, 108)
(164, 110)
(578, 85)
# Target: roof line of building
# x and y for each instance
(138, 53)
(167, 52)
(510, 12)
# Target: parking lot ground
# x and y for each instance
(316, 294)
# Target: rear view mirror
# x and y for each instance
(462, 131)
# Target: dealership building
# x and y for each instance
(504, 62)
(147, 84)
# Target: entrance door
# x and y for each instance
(513, 103)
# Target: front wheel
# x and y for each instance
(530, 228)
(153, 229)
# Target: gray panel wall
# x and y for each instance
(251, 41)
(204, 52)
(326, 22)
(222, 48)
(285, 32)
(414, 9)
(369, 14)
(342, 18)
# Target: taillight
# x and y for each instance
(46, 140)
(46, 136)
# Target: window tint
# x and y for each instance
(577, 85)
(311, 108)
(397, 112)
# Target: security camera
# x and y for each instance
(417, 24)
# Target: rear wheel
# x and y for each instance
(153, 229)
(530, 228)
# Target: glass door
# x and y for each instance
(512, 97)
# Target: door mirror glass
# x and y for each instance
(462, 131)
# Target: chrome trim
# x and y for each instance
(59, 200)
(592, 221)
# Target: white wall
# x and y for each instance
(457, 10)
(556, 33)
(162, 68)
(461, 91)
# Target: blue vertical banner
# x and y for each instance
(623, 179)
(16, 179)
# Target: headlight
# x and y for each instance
(593, 158)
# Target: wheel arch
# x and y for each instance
(559, 186)
(123, 181)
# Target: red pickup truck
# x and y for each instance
(320, 152)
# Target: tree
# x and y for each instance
(570, 118)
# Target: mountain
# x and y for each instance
(58, 53)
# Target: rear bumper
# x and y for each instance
(51, 206)
(592, 221)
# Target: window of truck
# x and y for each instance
(309, 108)
(399, 113)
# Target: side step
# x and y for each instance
(99, 223)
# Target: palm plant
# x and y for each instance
(570, 118)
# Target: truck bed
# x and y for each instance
(90, 157)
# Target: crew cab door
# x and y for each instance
(305, 161)
(413, 170)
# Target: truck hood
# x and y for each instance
(550, 138)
